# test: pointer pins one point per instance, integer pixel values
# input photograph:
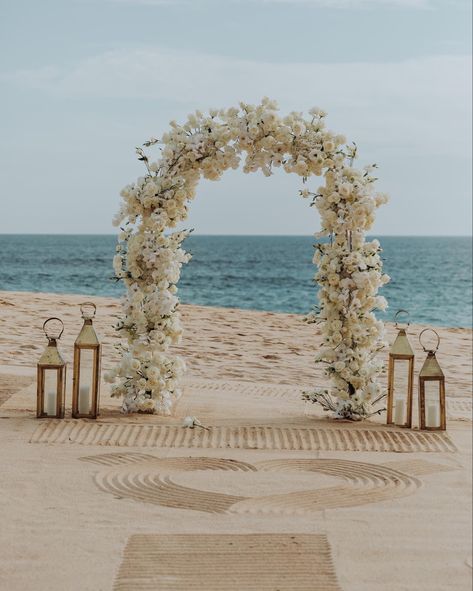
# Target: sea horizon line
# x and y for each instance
(237, 235)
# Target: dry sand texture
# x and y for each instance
(274, 496)
(218, 343)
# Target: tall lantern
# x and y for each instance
(432, 409)
(400, 378)
(51, 374)
(86, 379)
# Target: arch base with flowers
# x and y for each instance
(150, 254)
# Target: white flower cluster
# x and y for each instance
(149, 260)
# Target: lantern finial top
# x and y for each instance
(401, 348)
(429, 350)
(398, 313)
(88, 310)
(87, 336)
(53, 328)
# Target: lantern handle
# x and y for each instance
(49, 320)
(83, 305)
(402, 312)
(438, 340)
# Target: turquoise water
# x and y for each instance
(431, 276)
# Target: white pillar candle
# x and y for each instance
(50, 406)
(399, 412)
(84, 405)
(433, 418)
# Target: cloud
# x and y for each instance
(418, 103)
(328, 4)
(150, 2)
(353, 4)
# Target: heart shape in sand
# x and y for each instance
(159, 481)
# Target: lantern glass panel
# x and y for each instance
(50, 391)
(400, 391)
(432, 403)
(86, 380)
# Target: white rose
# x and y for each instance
(298, 128)
(336, 338)
(148, 404)
(345, 189)
(117, 265)
(329, 146)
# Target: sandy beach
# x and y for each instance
(273, 496)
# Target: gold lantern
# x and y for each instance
(51, 374)
(400, 378)
(432, 409)
(86, 378)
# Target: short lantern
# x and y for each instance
(400, 378)
(432, 409)
(86, 378)
(51, 374)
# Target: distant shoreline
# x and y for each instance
(5, 293)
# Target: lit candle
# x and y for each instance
(51, 403)
(432, 419)
(84, 400)
(399, 412)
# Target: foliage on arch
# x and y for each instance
(150, 255)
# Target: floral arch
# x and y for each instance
(150, 255)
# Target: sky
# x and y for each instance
(83, 82)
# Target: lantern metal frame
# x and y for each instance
(87, 340)
(432, 372)
(401, 350)
(51, 360)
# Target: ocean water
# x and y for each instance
(430, 276)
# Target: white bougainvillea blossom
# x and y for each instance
(150, 256)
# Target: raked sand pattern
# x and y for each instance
(270, 437)
(246, 389)
(252, 562)
(416, 467)
(457, 408)
(156, 481)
